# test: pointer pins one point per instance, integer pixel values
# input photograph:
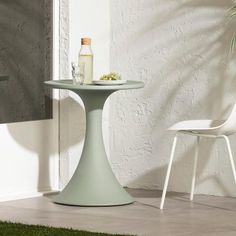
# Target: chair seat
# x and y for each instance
(198, 126)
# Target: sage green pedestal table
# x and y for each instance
(93, 183)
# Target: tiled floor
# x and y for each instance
(207, 215)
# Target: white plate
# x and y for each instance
(109, 82)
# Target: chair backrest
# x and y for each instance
(229, 126)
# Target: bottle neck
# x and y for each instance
(86, 50)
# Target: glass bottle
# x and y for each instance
(86, 58)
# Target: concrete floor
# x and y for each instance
(207, 215)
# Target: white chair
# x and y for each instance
(202, 128)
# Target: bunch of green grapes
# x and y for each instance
(111, 76)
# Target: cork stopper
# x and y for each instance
(85, 41)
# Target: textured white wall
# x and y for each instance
(63, 94)
(180, 50)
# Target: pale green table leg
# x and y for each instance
(93, 183)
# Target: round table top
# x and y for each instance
(68, 84)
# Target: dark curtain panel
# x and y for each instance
(26, 57)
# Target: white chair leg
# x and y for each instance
(194, 168)
(168, 172)
(230, 157)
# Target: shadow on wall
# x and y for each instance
(45, 147)
(181, 52)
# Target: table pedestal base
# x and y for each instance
(93, 183)
(85, 190)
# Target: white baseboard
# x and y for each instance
(25, 195)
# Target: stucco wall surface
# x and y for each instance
(180, 50)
